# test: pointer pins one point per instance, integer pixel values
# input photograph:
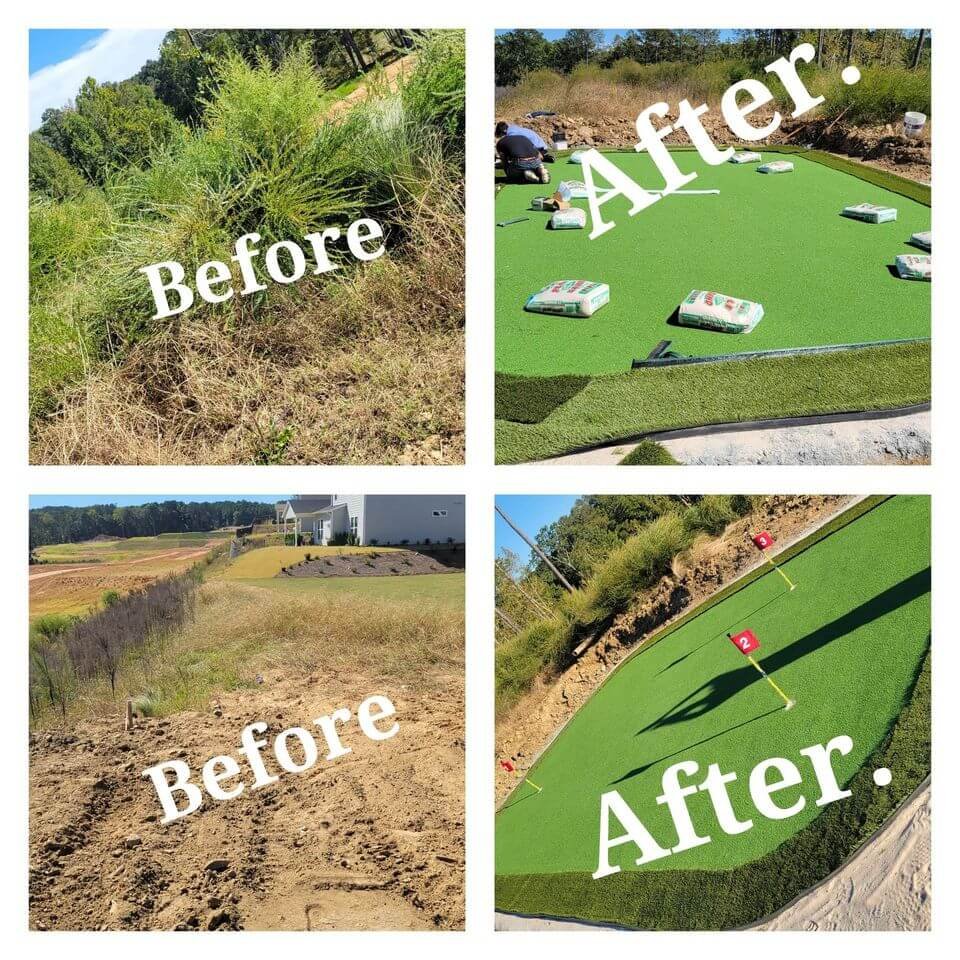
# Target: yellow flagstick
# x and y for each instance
(532, 784)
(790, 583)
(789, 703)
(769, 560)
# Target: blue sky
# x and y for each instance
(60, 61)
(530, 513)
(70, 500)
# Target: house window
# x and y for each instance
(353, 526)
(439, 513)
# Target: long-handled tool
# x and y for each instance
(506, 223)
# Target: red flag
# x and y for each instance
(507, 765)
(745, 641)
(763, 540)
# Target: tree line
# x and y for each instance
(74, 524)
(519, 52)
(109, 126)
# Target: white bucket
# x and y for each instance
(913, 123)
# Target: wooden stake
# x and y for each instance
(128, 720)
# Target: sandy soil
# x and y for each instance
(392, 74)
(884, 441)
(886, 886)
(372, 840)
(527, 728)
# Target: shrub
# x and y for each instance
(109, 598)
(51, 173)
(648, 453)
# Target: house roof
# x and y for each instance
(307, 505)
(332, 507)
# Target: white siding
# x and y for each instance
(354, 504)
(418, 517)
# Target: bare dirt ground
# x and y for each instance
(526, 729)
(879, 145)
(372, 840)
(391, 75)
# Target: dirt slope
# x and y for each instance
(524, 731)
(372, 840)
(879, 145)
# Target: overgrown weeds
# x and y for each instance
(625, 88)
(239, 632)
(360, 365)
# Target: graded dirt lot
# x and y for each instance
(73, 588)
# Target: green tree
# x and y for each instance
(575, 47)
(517, 53)
(111, 125)
(50, 172)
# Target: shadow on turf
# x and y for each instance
(717, 691)
(721, 633)
(636, 771)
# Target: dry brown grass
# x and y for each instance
(365, 370)
(597, 94)
(241, 631)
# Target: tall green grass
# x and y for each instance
(638, 564)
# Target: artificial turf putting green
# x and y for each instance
(823, 279)
(848, 644)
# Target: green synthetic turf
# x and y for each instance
(623, 406)
(846, 644)
(521, 401)
(823, 279)
(647, 453)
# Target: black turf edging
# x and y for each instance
(724, 900)
(532, 399)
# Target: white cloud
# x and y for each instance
(115, 55)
